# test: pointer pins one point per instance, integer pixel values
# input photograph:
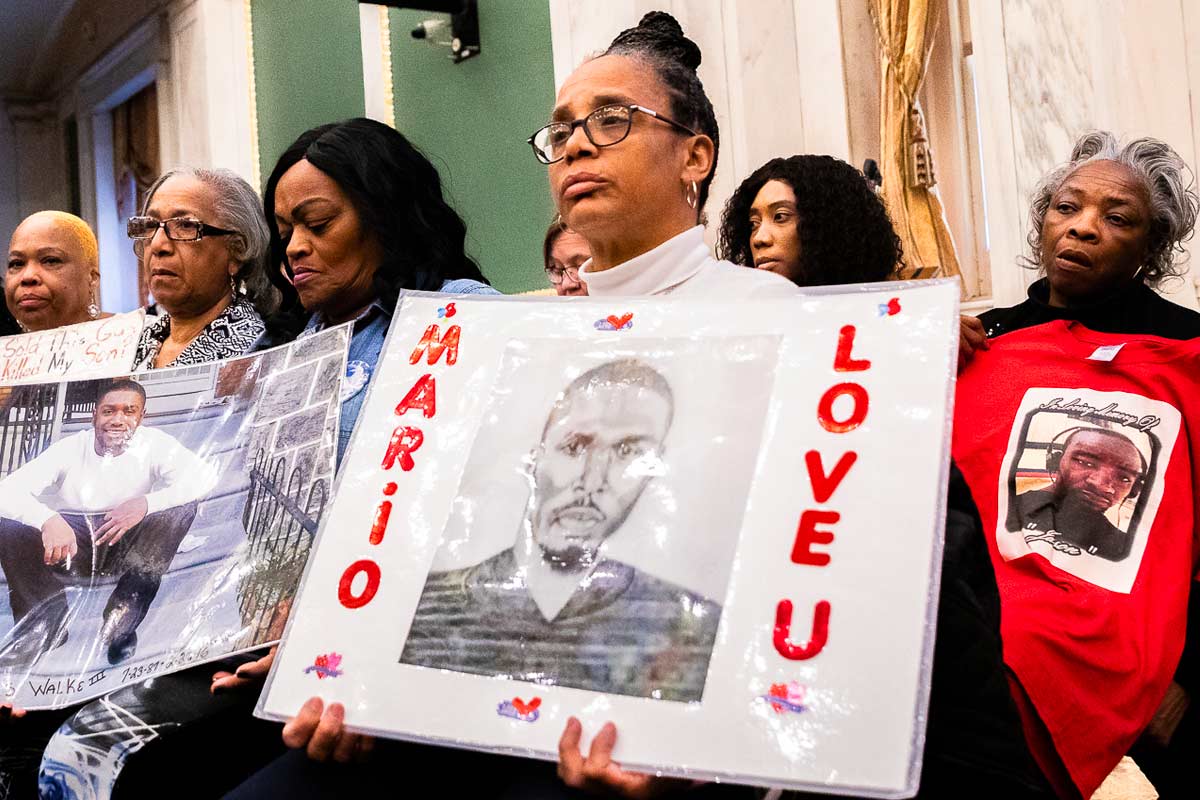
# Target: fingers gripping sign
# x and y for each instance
(599, 773)
(971, 337)
(248, 675)
(321, 731)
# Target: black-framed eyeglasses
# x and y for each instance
(604, 127)
(177, 229)
(555, 274)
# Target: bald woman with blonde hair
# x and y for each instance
(53, 271)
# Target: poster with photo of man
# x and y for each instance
(681, 518)
(1080, 481)
(132, 524)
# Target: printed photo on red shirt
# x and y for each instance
(1078, 483)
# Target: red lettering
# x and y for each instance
(436, 346)
(345, 592)
(404, 442)
(825, 408)
(422, 395)
(843, 362)
(379, 526)
(807, 534)
(783, 631)
(823, 485)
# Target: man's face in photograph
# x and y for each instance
(118, 414)
(600, 449)
(1098, 468)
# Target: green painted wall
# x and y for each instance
(307, 69)
(472, 120)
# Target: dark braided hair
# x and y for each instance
(846, 235)
(398, 196)
(658, 41)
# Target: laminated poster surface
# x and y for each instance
(718, 526)
(157, 520)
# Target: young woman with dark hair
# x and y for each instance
(356, 214)
(812, 219)
(563, 252)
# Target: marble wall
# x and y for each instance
(1012, 83)
(1052, 71)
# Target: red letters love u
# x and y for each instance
(824, 480)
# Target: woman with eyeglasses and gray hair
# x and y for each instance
(1107, 228)
(203, 243)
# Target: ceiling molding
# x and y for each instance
(41, 64)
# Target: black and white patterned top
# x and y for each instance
(231, 334)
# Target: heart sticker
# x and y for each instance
(614, 323)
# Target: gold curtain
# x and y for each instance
(905, 31)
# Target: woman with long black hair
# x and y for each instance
(356, 215)
(812, 219)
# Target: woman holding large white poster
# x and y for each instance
(631, 150)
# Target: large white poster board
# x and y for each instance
(718, 526)
(90, 349)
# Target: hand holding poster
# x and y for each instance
(100, 347)
(693, 519)
(161, 519)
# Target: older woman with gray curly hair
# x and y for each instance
(1107, 228)
(203, 243)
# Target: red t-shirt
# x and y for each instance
(1078, 448)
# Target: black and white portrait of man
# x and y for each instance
(554, 605)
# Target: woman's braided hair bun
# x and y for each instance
(659, 34)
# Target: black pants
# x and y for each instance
(139, 558)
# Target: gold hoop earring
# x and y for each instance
(691, 194)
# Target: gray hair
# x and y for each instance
(1169, 183)
(238, 209)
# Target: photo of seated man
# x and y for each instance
(1092, 470)
(117, 494)
(551, 608)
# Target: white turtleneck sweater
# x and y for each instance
(683, 266)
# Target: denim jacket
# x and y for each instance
(366, 343)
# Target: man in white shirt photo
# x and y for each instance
(66, 511)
